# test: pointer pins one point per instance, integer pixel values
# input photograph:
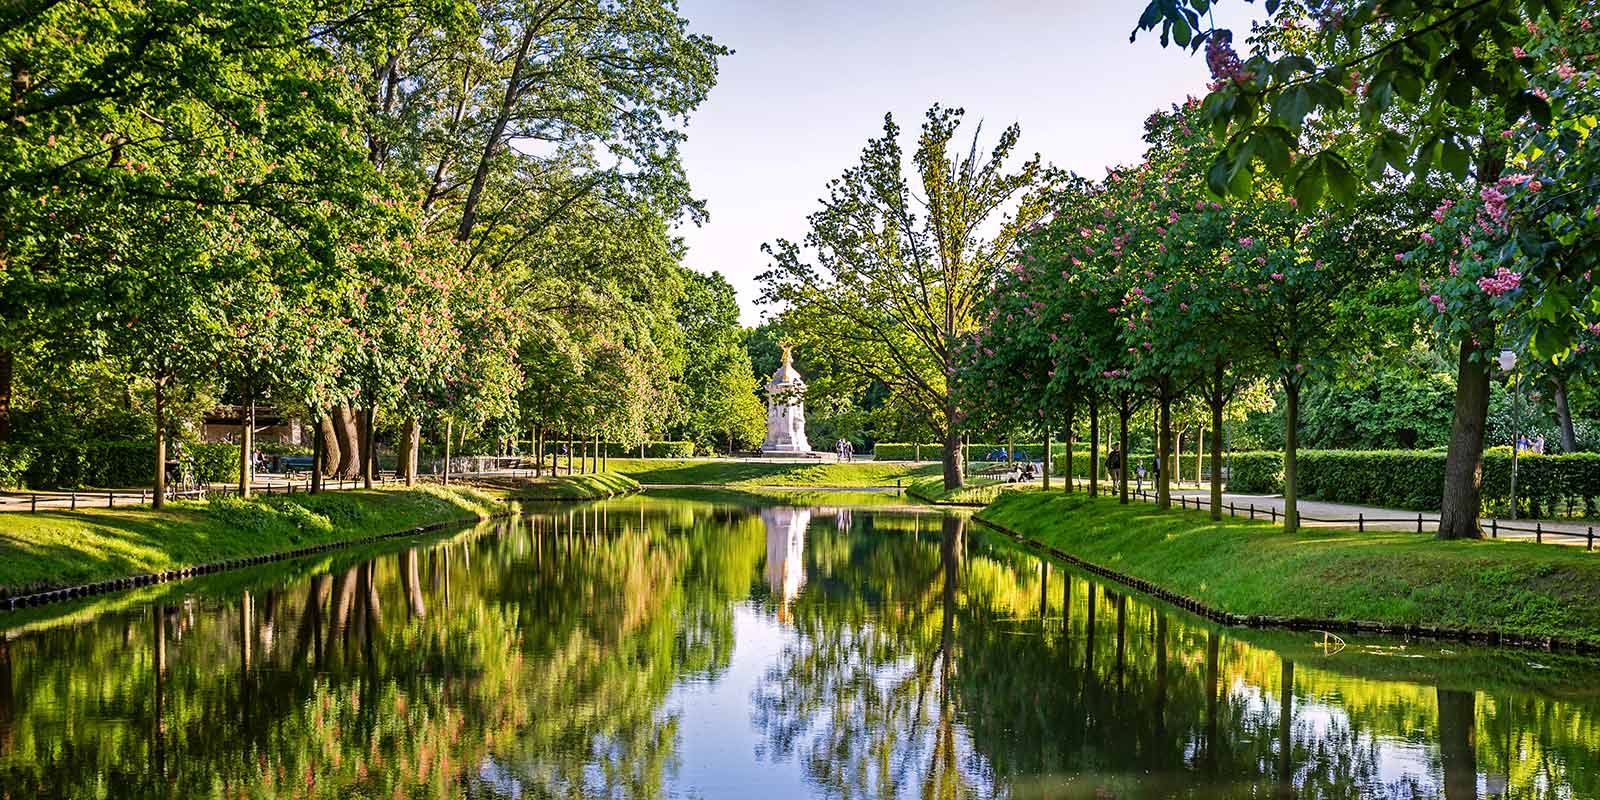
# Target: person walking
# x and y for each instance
(1114, 465)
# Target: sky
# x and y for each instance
(810, 81)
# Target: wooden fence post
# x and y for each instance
(1361, 523)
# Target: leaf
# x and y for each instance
(1454, 158)
(1342, 181)
(1310, 185)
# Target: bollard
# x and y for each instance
(1361, 523)
(33, 502)
(1494, 529)
(110, 500)
(1230, 511)
(1538, 532)
(1273, 512)
(74, 500)
(1252, 510)
(1591, 538)
(1419, 522)
(141, 497)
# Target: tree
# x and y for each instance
(898, 272)
(716, 391)
(1435, 83)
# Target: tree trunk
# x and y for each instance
(160, 499)
(1124, 410)
(1291, 445)
(1463, 468)
(448, 425)
(1216, 401)
(1458, 751)
(344, 426)
(1066, 476)
(569, 452)
(1164, 451)
(1569, 440)
(480, 177)
(316, 452)
(369, 455)
(410, 446)
(1047, 458)
(953, 457)
(1094, 445)
(246, 437)
(8, 361)
(328, 436)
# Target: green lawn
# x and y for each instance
(1253, 568)
(977, 492)
(561, 487)
(60, 548)
(714, 472)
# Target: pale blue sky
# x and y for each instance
(811, 81)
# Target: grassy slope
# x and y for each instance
(711, 472)
(52, 549)
(562, 487)
(1253, 568)
(978, 491)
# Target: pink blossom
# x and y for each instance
(1438, 302)
(1246, 242)
(1519, 52)
(1399, 256)
(1277, 276)
(1427, 237)
(1504, 281)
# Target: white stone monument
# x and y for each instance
(786, 545)
(786, 411)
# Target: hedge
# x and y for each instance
(1414, 479)
(109, 464)
(1080, 462)
(651, 450)
(903, 451)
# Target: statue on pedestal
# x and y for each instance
(786, 410)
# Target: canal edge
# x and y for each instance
(1495, 638)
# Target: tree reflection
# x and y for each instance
(538, 658)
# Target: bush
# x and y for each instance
(1414, 479)
(1080, 461)
(14, 461)
(651, 450)
(121, 464)
(903, 451)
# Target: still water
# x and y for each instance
(686, 648)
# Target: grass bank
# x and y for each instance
(717, 472)
(977, 491)
(54, 549)
(1254, 569)
(559, 487)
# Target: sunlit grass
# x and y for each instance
(1250, 567)
(710, 472)
(64, 548)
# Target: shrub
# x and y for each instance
(1414, 479)
(1080, 461)
(14, 461)
(121, 464)
(651, 450)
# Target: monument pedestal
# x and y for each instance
(786, 412)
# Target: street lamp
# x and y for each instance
(1508, 363)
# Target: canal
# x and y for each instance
(715, 646)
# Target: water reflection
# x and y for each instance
(646, 648)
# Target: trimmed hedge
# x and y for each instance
(903, 451)
(1080, 462)
(1414, 479)
(114, 464)
(651, 450)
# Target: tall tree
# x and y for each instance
(894, 272)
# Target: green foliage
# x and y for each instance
(121, 464)
(889, 275)
(1413, 479)
(651, 449)
(14, 462)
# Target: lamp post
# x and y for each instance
(1508, 363)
